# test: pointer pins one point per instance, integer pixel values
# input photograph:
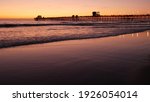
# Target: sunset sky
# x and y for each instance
(48, 8)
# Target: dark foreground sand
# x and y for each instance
(115, 60)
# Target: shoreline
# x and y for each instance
(117, 60)
(74, 38)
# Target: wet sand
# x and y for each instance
(117, 60)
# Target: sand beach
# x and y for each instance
(116, 60)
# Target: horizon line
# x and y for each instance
(70, 16)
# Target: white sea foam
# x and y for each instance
(25, 32)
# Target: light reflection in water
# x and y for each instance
(137, 34)
(147, 34)
(133, 35)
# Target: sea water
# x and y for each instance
(17, 32)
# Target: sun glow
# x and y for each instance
(49, 8)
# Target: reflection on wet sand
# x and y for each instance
(147, 34)
(120, 59)
(137, 34)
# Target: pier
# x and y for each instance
(119, 18)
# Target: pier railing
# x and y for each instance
(119, 18)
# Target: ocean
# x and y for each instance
(16, 32)
(113, 53)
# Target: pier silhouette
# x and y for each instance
(97, 17)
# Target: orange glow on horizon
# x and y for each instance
(51, 8)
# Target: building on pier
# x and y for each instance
(39, 17)
(95, 14)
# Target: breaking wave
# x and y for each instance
(64, 31)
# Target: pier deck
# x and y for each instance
(100, 18)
